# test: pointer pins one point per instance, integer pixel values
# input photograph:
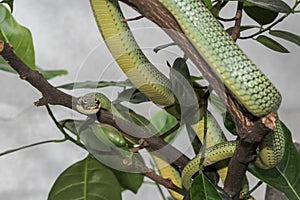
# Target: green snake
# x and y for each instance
(242, 78)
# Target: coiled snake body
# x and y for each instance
(242, 78)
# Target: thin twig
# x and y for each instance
(155, 177)
(158, 185)
(255, 187)
(31, 145)
(133, 19)
(226, 19)
(238, 19)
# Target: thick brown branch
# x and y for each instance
(51, 95)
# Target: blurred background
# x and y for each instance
(66, 37)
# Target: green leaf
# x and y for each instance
(104, 151)
(89, 138)
(273, 5)
(207, 3)
(229, 124)
(217, 104)
(285, 177)
(132, 95)
(217, 7)
(203, 189)
(181, 86)
(272, 44)
(93, 85)
(286, 35)
(87, 179)
(163, 121)
(196, 78)
(10, 3)
(18, 36)
(130, 181)
(242, 28)
(260, 15)
(49, 74)
(180, 65)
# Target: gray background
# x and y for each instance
(65, 37)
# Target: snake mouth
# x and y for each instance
(93, 107)
(89, 107)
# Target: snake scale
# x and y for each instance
(241, 76)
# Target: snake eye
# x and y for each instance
(83, 103)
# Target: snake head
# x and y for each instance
(89, 104)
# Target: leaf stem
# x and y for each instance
(31, 145)
(295, 5)
(255, 187)
(158, 185)
(226, 19)
(160, 191)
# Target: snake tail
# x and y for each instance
(271, 150)
(128, 55)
